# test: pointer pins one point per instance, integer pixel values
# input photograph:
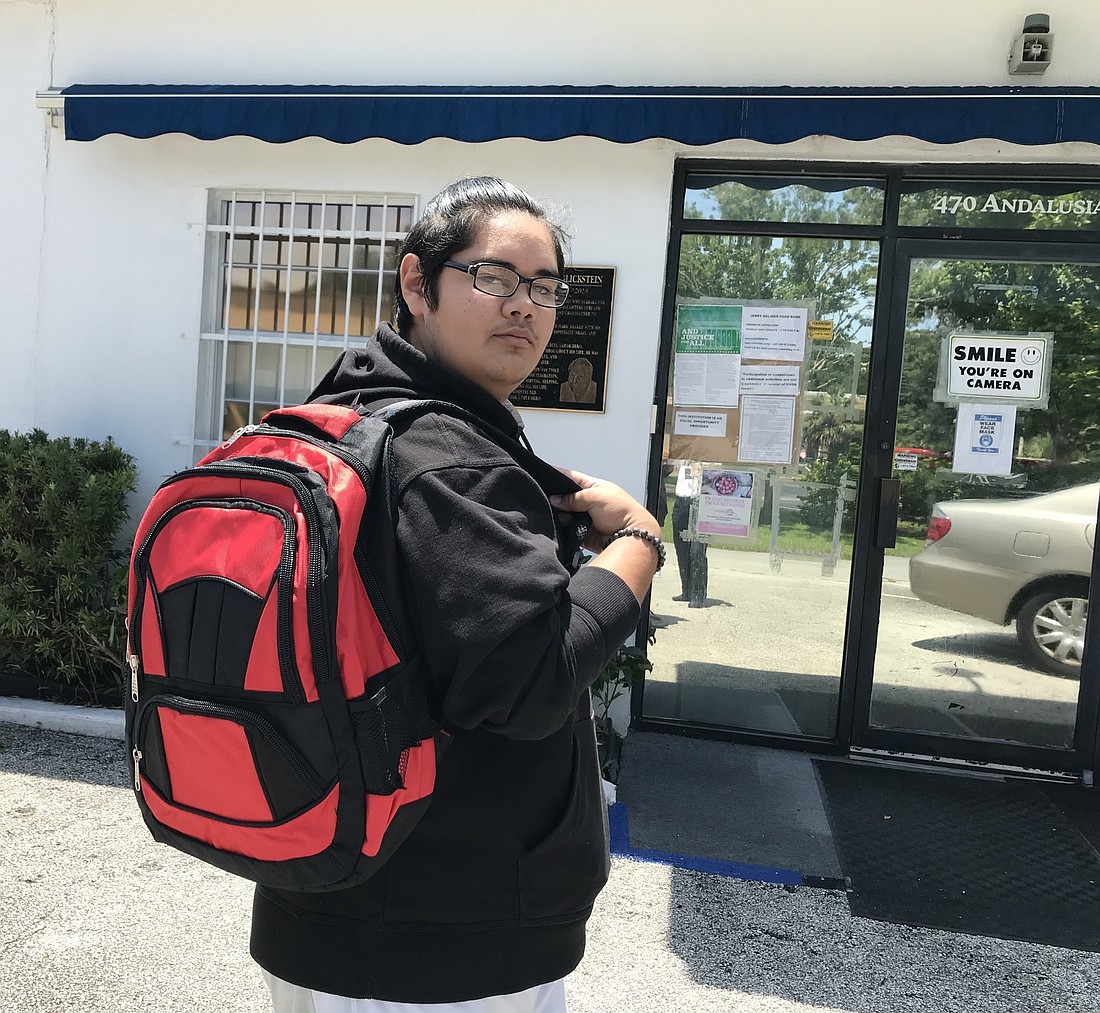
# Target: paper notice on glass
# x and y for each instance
(769, 379)
(725, 503)
(774, 332)
(699, 424)
(767, 429)
(707, 366)
(984, 435)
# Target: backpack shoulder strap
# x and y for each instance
(571, 532)
(399, 410)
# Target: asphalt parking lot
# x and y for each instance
(96, 917)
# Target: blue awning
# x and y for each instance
(692, 116)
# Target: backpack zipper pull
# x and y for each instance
(133, 678)
(243, 431)
(137, 755)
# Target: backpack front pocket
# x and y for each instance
(225, 775)
(239, 602)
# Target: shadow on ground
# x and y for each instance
(66, 757)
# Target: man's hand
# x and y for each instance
(613, 508)
(610, 507)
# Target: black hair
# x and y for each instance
(452, 221)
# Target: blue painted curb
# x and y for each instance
(620, 846)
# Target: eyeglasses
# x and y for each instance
(503, 282)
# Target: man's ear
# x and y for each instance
(412, 285)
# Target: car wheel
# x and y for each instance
(1051, 629)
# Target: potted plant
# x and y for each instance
(623, 671)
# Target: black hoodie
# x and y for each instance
(490, 893)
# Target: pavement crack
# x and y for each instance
(8, 944)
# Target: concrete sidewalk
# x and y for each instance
(96, 917)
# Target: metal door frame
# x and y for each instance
(879, 463)
(898, 244)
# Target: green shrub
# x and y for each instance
(63, 593)
(920, 489)
(817, 508)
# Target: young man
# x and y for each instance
(483, 908)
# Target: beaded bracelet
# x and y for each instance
(645, 536)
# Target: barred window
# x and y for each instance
(292, 279)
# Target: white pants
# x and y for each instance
(288, 998)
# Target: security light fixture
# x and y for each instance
(1032, 48)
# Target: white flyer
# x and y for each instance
(984, 437)
(767, 429)
(773, 332)
(699, 424)
(706, 379)
(769, 379)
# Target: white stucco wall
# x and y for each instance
(104, 303)
(707, 42)
(122, 293)
(121, 289)
(25, 140)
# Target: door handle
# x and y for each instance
(886, 521)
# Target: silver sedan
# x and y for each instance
(1027, 560)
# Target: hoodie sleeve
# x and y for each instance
(511, 640)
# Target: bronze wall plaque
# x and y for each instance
(572, 374)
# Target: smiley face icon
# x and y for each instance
(1030, 354)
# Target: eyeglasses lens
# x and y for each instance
(493, 280)
(549, 292)
(503, 282)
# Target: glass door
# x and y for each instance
(763, 428)
(984, 594)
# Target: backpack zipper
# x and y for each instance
(137, 757)
(378, 603)
(238, 433)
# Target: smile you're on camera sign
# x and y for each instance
(1007, 369)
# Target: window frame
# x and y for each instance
(215, 334)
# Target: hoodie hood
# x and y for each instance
(390, 368)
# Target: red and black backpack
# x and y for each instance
(279, 723)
